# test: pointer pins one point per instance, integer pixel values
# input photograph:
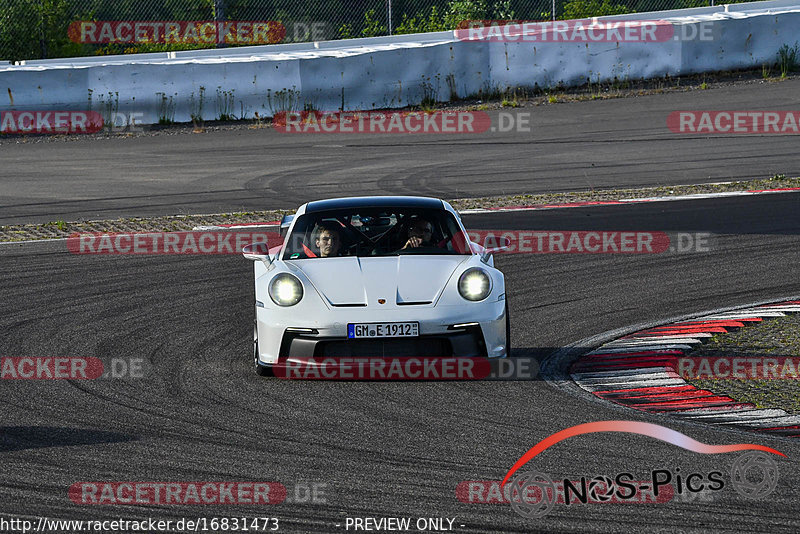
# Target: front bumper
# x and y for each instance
(484, 336)
(468, 341)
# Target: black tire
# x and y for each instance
(508, 331)
(261, 370)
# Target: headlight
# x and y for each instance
(285, 290)
(475, 284)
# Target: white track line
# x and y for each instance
(633, 385)
(640, 372)
(626, 350)
(642, 342)
(604, 203)
(733, 317)
(670, 337)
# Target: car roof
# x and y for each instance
(374, 202)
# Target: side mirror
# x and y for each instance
(257, 252)
(286, 222)
(491, 245)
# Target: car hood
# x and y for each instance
(400, 280)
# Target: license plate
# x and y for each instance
(359, 330)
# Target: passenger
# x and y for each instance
(328, 240)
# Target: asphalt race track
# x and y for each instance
(594, 144)
(383, 448)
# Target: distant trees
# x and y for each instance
(31, 29)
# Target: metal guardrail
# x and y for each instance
(403, 70)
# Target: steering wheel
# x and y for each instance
(384, 239)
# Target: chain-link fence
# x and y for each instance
(34, 29)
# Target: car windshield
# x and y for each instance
(375, 232)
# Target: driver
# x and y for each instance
(328, 241)
(420, 233)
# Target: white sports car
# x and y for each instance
(377, 277)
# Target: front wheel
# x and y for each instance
(261, 370)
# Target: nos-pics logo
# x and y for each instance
(532, 494)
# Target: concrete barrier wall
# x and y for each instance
(388, 72)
